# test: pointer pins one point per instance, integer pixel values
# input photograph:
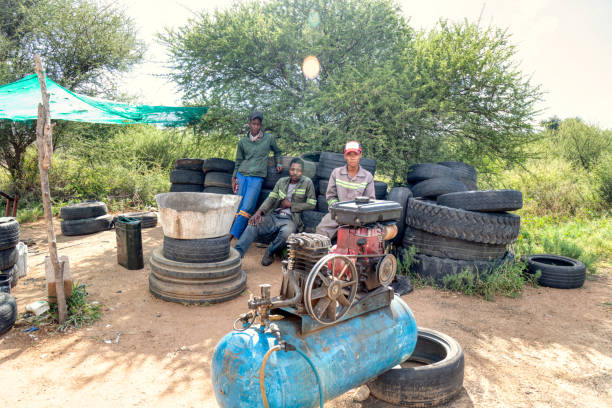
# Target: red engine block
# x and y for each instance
(357, 241)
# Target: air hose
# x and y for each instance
(262, 371)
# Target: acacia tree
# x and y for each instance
(453, 92)
(84, 45)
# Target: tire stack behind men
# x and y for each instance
(217, 175)
(85, 218)
(9, 238)
(196, 270)
(325, 163)
(187, 176)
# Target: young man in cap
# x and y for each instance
(280, 215)
(251, 168)
(346, 183)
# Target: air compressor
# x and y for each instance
(336, 323)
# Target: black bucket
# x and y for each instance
(129, 243)
(5, 283)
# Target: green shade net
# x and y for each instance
(19, 102)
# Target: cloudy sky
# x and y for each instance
(565, 45)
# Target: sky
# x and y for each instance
(565, 46)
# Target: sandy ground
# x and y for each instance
(549, 348)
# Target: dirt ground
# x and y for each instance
(549, 348)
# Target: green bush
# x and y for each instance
(603, 173)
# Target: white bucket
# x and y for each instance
(196, 215)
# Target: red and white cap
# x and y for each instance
(352, 146)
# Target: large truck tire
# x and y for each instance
(186, 177)
(218, 179)
(400, 195)
(426, 171)
(186, 188)
(86, 226)
(217, 164)
(484, 200)
(163, 266)
(434, 187)
(197, 250)
(87, 209)
(464, 170)
(188, 164)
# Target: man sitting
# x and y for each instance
(346, 183)
(280, 214)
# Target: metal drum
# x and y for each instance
(345, 355)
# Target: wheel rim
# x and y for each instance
(328, 293)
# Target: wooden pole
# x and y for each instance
(44, 143)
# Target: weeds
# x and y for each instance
(80, 312)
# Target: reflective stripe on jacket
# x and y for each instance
(302, 199)
(343, 188)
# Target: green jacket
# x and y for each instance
(302, 199)
(252, 157)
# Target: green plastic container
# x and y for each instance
(129, 243)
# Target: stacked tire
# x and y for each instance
(8, 312)
(217, 175)
(212, 175)
(461, 231)
(429, 180)
(9, 238)
(148, 219)
(85, 218)
(203, 270)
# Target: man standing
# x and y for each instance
(346, 183)
(280, 215)
(251, 168)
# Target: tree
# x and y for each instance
(84, 45)
(580, 143)
(453, 92)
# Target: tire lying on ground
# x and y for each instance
(328, 161)
(437, 186)
(425, 171)
(487, 228)
(218, 190)
(183, 188)
(86, 226)
(197, 250)
(218, 179)
(8, 312)
(444, 247)
(380, 190)
(87, 209)
(400, 195)
(186, 177)
(557, 271)
(8, 257)
(311, 219)
(148, 219)
(189, 164)
(432, 375)
(216, 164)
(484, 200)
(433, 268)
(12, 272)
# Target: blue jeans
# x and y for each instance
(271, 227)
(248, 188)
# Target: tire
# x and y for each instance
(433, 268)
(197, 250)
(437, 186)
(471, 185)
(8, 257)
(400, 195)
(216, 164)
(436, 382)
(311, 156)
(557, 271)
(186, 177)
(12, 272)
(148, 219)
(273, 176)
(322, 204)
(464, 170)
(186, 188)
(188, 164)
(328, 161)
(197, 292)
(87, 209)
(9, 232)
(311, 219)
(86, 225)
(380, 190)
(486, 228)
(323, 183)
(207, 271)
(8, 312)
(444, 247)
(219, 190)
(310, 169)
(484, 200)
(263, 194)
(218, 179)
(425, 171)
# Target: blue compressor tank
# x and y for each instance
(346, 355)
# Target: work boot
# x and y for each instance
(267, 259)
